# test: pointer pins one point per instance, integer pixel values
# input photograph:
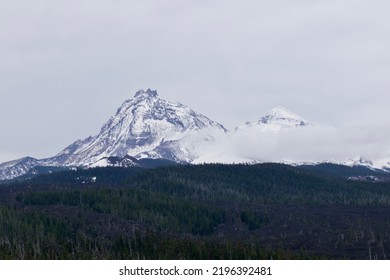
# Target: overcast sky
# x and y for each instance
(65, 66)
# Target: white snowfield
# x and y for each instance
(275, 120)
(147, 126)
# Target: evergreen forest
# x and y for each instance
(210, 211)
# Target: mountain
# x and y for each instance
(28, 167)
(147, 130)
(16, 168)
(283, 118)
(279, 118)
(283, 136)
(254, 142)
(144, 127)
(381, 163)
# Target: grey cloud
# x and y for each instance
(312, 144)
(67, 65)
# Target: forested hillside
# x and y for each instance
(213, 211)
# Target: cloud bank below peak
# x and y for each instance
(312, 144)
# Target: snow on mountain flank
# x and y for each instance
(16, 168)
(149, 127)
(146, 126)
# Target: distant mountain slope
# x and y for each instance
(16, 168)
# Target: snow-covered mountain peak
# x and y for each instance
(146, 126)
(283, 117)
(148, 93)
(147, 109)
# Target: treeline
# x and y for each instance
(265, 183)
(163, 212)
(268, 183)
(106, 175)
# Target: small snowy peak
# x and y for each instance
(12, 169)
(17, 161)
(275, 120)
(283, 117)
(358, 161)
(381, 163)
